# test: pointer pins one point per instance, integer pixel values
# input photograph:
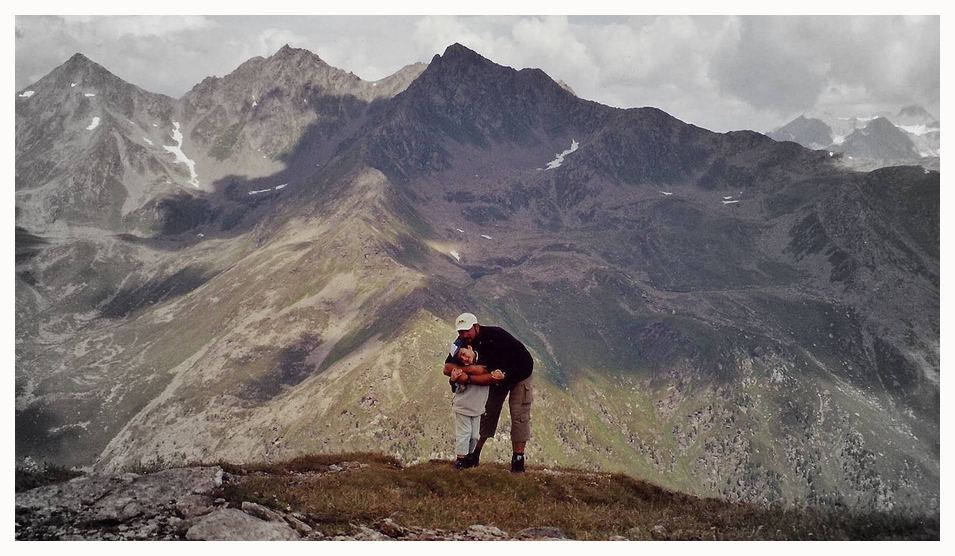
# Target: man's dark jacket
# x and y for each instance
(497, 349)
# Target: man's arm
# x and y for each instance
(461, 365)
(484, 379)
(458, 358)
(468, 369)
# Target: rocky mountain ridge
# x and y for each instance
(719, 313)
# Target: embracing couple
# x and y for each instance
(486, 365)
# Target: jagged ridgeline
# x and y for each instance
(268, 266)
(910, 137)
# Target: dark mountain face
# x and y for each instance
(697, 239)
(720, 313)
(469, 101)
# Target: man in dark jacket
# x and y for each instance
(497, 349)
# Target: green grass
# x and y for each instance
(585, 506)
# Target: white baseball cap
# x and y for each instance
(464, 322)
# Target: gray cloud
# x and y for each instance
(857, 63)
(718, 72)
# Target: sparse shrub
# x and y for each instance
(32, 476)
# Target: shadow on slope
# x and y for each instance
(27, 245)
(291, 368)
(131, 299)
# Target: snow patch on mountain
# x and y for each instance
(94, 124)
(560, 157)
(181, 156)
(920, 129)
(276, 188)
(26, 94)
(82, 425)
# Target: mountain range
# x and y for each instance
(269, 265)
(910, 137)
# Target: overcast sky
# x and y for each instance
(719, 72)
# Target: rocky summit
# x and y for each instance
(268, 267)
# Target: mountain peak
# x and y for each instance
(80, 63)
(78, 59)
(291, 52)
(882, 124)
(914, 111)
(459, 49)
(80, 70)
(299, 56)
(457, 53)
(914, 115)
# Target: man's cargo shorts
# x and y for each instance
(519, 403)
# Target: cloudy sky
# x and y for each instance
(718, 72)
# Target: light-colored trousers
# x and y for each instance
(466, 432)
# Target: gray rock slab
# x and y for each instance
(194, 505)
(230, 524)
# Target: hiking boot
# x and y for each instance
(517, 463)
(472, 459)
(461, 463)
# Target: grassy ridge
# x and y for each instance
(585, 506)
